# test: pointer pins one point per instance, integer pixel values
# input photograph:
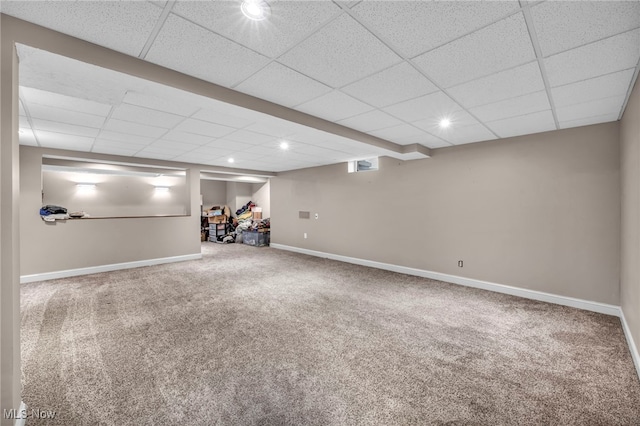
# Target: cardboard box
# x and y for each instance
(218, 219)
(257, 215)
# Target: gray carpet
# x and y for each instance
(259, 336)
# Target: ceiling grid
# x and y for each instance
(387, 69)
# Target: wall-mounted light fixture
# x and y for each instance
(162, 189)
(86, 186)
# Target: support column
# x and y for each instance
(10, 377)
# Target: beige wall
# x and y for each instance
(49, 247)
(262, 197)
(540, 212)
(630, 171)
(214, 193)
(10, 386)
(116, 195)
(238, 194)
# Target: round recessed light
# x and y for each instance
(284, 145)
(445, 122)
(230, 160)
(256, 10)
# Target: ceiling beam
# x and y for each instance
(39, 37)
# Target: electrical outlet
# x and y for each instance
(305, 235)
(316, 215)
(460, 263)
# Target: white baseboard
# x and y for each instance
(587, 305)
(106, 268)
(632, 344)
(22, 420)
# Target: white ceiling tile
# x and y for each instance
(595, 108)
(562, 25)
(204, 128)
(21, 110)
(414, 27)
(288, 23)
(588, 121)
(150, 117)
(62, 141)
(537, 122)
(616, 53)
(432, 107)
(265, 150)
(191, 138)
(105, 149)
(595, 88)
(369, 121)
(503, 85)
(282, 85)
(151, 149)
(406, 134)
(214, 151)
(334, 106)
(124, 26)
(42, 97)
(458, 119)
(237, 121)
(155, 155)
(251, 138)
(52, 113)
(527, 104)
(190, 49)
(438, 144)
(126, 127)
(123, 146)
(246, 156)
(54, 126)
(227, 145)
(340, 53)
(171, 105)
(125, 137)
(466, 134)
(396, 84)
(173, 145)
(194, 158)
(23, 122)
(497, 47)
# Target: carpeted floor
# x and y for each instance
(265, 337)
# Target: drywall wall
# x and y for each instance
(214, 193)
(115, 195)
(10, 386)
(49, 247)
(238, 194)
(540, 212)
(262, 197)
(630, 195)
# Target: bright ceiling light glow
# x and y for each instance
(230, 160)
(256, 10)
(284, 145)
(445, 122)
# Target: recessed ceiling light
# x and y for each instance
(284, 145)
(256, 10)
(230, 160)
(445, 122)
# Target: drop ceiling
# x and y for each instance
(390, 69)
